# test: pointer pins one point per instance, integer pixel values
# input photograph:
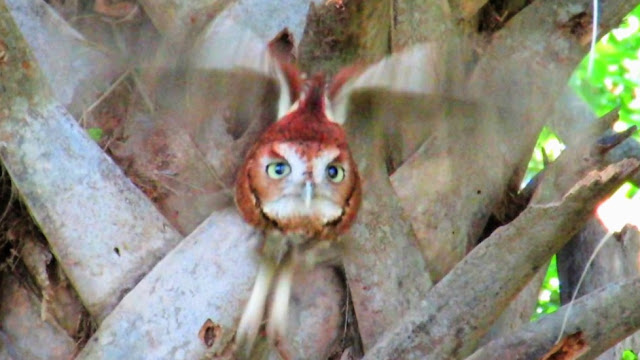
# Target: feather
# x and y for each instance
(279, 309)
(254, 310)
(227, 46)
(414, 70)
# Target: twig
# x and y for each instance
(103, 97)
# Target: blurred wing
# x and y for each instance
(417, 71)
(224, 45)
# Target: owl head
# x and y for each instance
(300, 176)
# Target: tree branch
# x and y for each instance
(604, 317)
(24, 334)
(520, 74)
(105, 232)
(384, 268)
(71, 65)
(209, 276)
(465, 297)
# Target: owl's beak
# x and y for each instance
(307, 195)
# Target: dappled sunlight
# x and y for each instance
(619, 210)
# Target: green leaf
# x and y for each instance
(629, 355)
(95, 133)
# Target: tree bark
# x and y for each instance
(599, 320)
(104, 231)
(461, 297)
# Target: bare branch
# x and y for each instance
(604, 317)
(105, 232)
(209, 277)
(76, 68)
(385, 269)
(206, 277)
(465, 297)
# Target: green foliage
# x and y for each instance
(549, 298)
(549, 144)
(95, 133)
(629, 355)
(611, 79)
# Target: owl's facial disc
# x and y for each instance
(307, 178)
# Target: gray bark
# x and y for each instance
(589, 323)
(102, 229)
(463, 298)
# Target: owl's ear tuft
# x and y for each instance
(290, 84)
(282, 47)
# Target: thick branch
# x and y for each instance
(76, 69)
(209, 276)
(521, 74)
(604, 317)
(105, 232)
(616, 260)
(384, 267)
(538, 49)
(467, 299)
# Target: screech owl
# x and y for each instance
(300, 177)
(299, 185)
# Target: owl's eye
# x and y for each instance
(278, 169)
(335, 173)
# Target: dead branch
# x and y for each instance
(465, 297)
(75, 68)
(604, 317)
(384, 268)
(102, 229)
(209, 277)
